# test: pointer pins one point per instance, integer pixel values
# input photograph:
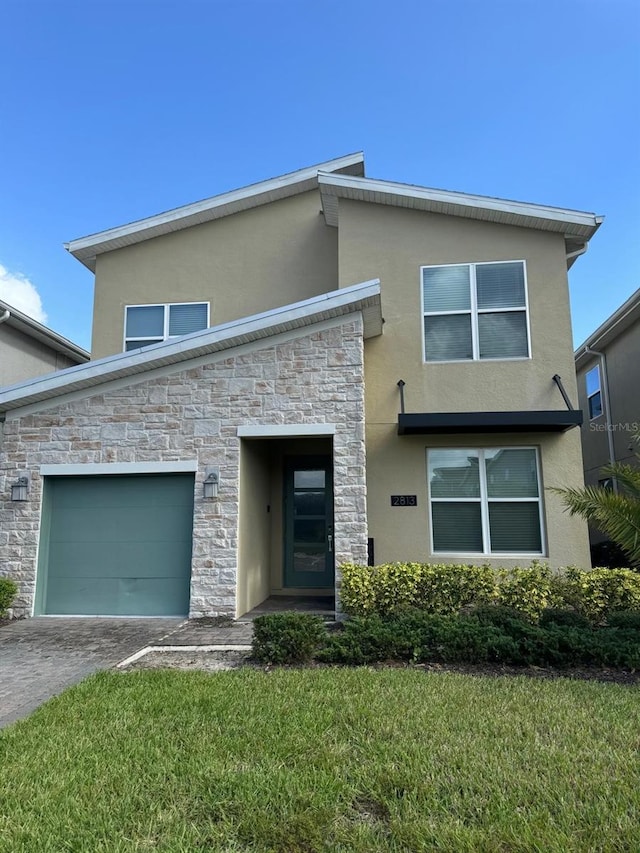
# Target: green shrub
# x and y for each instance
(498, 615)
(629, 620)
(599, 592)
(527, 590)
(564, 617)
(435, 588)
(8, 591)
(422, 638)
(285, 638)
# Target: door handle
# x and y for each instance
(330, 542)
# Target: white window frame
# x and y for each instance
(595, 368)
(165, 329)
(474, 311)
(484, 500)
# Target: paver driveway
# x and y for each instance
(41, 657)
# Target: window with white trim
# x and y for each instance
(151, 324)
(594, 392)
(485, 501)
(475, 311)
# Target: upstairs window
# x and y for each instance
(475, 311)
(485, 501)
(594, 392)
(152, 324)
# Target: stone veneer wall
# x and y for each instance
(195, 414)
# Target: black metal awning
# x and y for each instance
(429, 423)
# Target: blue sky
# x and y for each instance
(112, 111)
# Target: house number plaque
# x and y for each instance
(404, 500)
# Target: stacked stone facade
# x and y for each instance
(193, 413)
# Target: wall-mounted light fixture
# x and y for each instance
(20, 489)
(211, 483)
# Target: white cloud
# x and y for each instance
(18, 291)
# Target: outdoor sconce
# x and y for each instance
(20, 489)
(211, 482)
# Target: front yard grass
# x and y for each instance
(324, 760)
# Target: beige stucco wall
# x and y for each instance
(22, 357)
(623, 370)
(242, 264)
(392, 244)
(397, 465)
(254, 526)
(377, 241)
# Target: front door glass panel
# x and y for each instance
(308, 508)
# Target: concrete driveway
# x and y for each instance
(41, 657)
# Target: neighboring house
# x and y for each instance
(608, 373)
(315, 369)
(27, 348)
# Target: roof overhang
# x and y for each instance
(576, 226)
(363, 298)
(28, 326)
(627, 315)
(432, 423)
(86, 249)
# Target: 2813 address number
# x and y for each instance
(404, 500)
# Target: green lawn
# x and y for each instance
(324, 760)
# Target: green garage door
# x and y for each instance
(116, 546)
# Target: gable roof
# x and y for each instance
(364, 297)
(30, 327)
(578, 227)
(621, 319)
(85, 249)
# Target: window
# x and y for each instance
(594, 395)
(475, 311)
(485, 501)
(151, 324)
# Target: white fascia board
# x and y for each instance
(370, 187)
(88, 469)
(86, 248)
(215, 339)
(627, 314)
(285, 430)
(28, 326)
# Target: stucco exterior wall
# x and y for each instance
(623, 370)
(194, 414)
(392, 244)
(22, 357)
(254, 520)
(377, 241)
(397, 465)
(242, 264)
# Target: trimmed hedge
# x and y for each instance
(446, 590)
(8, 591)
(286, 638)
(422, 637)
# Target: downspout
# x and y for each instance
(5, 316)
(607, 405)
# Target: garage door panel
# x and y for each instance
(103, 492)
(124, 524)
(119, 560)
(118, 545)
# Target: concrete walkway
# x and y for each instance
(41, 657)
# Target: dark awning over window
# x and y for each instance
(425, 423)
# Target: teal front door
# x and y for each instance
(308, 522)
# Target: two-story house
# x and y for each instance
(608, 373)
(315, 369)
(27, 348)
